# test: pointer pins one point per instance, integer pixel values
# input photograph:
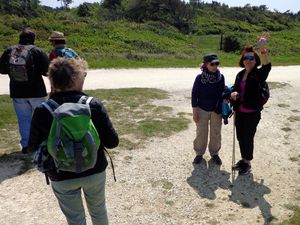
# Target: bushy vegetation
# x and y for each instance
(231, 43)
(154, 33)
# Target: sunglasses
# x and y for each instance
(214, 64)
(249, 57)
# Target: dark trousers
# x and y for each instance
(246, 124)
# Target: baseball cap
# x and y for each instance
(210, 58)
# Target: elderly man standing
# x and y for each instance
(25, 64)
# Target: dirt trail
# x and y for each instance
(159, 185)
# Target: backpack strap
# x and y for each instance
(85, 99)
(29, 47)
(112, 165)
(50, 105)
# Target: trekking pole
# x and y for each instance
(233, 151)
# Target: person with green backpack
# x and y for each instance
(73, 130)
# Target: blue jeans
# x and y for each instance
(24, 108)
(68, 194)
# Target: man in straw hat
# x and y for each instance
(58, 41)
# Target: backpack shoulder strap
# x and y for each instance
(50, 105)
(112, 165)
(85, 99)
(13, 50)
(29, 47)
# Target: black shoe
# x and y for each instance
(24, 150)
(198, 159)
(245, 169)
(238, 165)
(216, 159)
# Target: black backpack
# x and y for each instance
(265, 92)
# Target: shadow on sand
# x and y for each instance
(249, 194)
(14, 164)
(207, 177)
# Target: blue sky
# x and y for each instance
(280, 5)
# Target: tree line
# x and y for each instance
(188, 18)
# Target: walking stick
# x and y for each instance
(233, 151)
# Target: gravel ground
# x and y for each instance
(159, 185)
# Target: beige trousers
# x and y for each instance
(210, 122)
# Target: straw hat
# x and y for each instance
(56, 36)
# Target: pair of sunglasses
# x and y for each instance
(214, 64)
(249, 57)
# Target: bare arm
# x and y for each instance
(261, 43)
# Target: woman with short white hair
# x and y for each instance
(67, 78)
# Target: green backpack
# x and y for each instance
(73, 140)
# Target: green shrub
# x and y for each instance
(231, 43)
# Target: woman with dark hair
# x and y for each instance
(246, 98)
(207, 102)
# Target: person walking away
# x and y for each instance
(67, 78)
(207, 105)
(246, 98)
(58, 41)
(25, 64)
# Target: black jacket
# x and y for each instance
(252, 95)
(42, 120)
(34, 87)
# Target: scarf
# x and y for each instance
(207, 77)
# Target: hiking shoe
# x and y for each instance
(245, 169)
(24, 150)
(216, 159)
(198, 159)
(238, 165)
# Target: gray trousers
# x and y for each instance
(210, 122)
(68, 194)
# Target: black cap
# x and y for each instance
(210, 58)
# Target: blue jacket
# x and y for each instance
(207, 91)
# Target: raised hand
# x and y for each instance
(263, 40)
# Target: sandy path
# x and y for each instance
(159, 185)
(168, 79)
